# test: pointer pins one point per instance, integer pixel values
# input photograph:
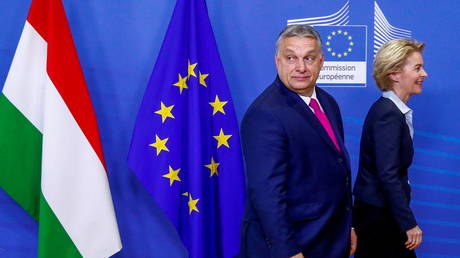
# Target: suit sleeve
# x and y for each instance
(387, 132)
(265, 149)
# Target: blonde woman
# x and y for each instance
(384, 222)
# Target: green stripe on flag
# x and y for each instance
(53, 240)
(20, 157)
(20, 166)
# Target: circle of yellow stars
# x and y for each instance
(166, 111)
(345, 34)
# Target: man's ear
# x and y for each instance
(322, 59)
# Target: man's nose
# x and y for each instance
(301, 66)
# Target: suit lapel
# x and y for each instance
(328, 110)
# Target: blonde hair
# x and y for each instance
(391, 57)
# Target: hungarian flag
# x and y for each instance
(51, 160)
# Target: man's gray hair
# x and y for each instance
(299, 30)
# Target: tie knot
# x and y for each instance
(314, 104)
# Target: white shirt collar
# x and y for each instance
(402, 107)
(398, 102)
(313, 96)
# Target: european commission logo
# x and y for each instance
(345, 46)
(344, 50)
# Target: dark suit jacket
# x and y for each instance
(386, 154)
(298, 184)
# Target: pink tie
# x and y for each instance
(324, 121)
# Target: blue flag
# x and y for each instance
(185, 148)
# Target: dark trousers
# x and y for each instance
(378, 233)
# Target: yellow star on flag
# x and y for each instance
(202, 77)
(165, 112)
(191, 69)
(159, 144)
(218, 105)
(182, 83)
(192, 204)
(213, 167)
(222, 139)
(172, 175)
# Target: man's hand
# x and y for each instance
(299, 255)
(414, 238)
(353, 242)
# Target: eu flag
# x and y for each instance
(185, 147)
(345, 43)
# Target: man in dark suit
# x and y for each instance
(297, 168)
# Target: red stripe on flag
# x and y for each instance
(63, 66)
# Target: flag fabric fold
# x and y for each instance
(185, 146)
(51, 158)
